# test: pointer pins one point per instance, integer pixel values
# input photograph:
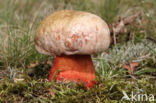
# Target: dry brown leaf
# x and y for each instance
(51, 92)
(130, 67)
(34, 64)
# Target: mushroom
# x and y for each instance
(72, 36)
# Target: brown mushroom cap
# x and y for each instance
(72, 32)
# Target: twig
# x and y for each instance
(120, 26)
(151, 39)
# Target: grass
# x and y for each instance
(24, 72)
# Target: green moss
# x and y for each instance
(105, 90)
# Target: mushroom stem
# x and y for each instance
(74, 68)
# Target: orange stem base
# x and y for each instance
(74, 68)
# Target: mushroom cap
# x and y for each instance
(72, 32)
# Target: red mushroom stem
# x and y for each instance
(78, 68)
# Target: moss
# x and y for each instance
(109, 89)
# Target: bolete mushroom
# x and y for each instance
(72, 36)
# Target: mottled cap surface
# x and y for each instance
(72, 32)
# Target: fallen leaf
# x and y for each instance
(130, 67)
(51, 92)
(34, 64)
